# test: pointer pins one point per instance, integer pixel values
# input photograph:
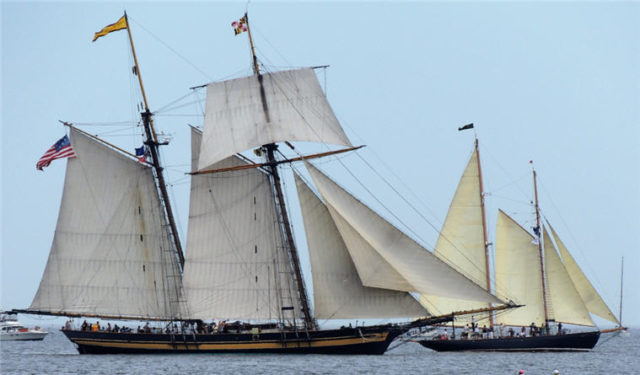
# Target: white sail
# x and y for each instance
(373, 270)
(294, 109)
(518, 273)
(236, 266)
(461, 241)
(566, 304)
(337, 290)
(587, 292)
(111, 253)
(423, 270)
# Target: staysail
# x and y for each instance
(518, 272)
(588, 293)
(424, 272)
(236, 266)
(461, 242)
(338, 292)
(286, 106)
(566, 304)
(111, 253)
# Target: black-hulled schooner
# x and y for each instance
(532, 269)
(116, 254)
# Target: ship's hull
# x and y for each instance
(23, 336)
(570, 342)
(362, 340)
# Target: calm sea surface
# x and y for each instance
(56, 355)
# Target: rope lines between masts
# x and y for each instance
(171, 49)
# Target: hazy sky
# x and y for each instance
(556, 83)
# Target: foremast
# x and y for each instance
(272, 163)
(152, 143)
(484, 230)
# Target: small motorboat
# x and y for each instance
(12, 330)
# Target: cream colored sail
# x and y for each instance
(424, 271)
(236, 119)
(337, 290)
(588, 293)
(461, 241)
(564, 299)
(518, 273)
(111, 253)
(236, 266)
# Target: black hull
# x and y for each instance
(570, 342)
(363, 340)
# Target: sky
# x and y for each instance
(556, 83)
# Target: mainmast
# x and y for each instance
(538, 231)
(280, 200)
(484, 231)
(152, 143)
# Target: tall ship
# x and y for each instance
(238, 286)
(531, 269)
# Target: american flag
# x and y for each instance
(61, 149)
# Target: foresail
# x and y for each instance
(461, 241)
(236, 267)
(111, 253)
(566, 304)
(338, 292)
(424, 271)
(595, 304)
(237, 119)
(518, 274)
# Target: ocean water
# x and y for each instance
(614, 354)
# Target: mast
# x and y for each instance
(152, 143)
(280, 200)
(621, 280)
(484, 231)
(538, 232)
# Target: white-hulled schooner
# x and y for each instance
(535, 270)
(116, 253)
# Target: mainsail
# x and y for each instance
(111, 254)
(461, 242)
(338, 291)
(260, 109)
(566, 304)
(423, 271)
(518, 272)
(594, 303)
(236, 266)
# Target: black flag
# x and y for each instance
(468, 126)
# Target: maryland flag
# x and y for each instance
(119, 25)
(240, 25)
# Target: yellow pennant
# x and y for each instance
(119, 25)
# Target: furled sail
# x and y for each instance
(292, 107)
(461, 241)
(338, 292)
(587, 292)
(518, 273)
(424, 271)
(566, 303)
(236, 266)
(111, 253)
